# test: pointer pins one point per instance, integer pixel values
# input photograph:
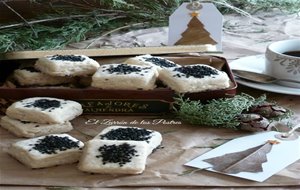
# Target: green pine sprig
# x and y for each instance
(63, 23)
(74, 22)
(218, 112)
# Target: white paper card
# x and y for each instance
(209, 15)
(280, 156)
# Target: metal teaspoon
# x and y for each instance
(258, 77)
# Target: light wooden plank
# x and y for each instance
(108, 52)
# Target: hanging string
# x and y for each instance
(194, 6)
(290, 135)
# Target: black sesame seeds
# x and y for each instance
(197, 71)
(129, 133)
(76, 58)
(123, 69)
(44, 104)
(160, 62)
(120, 154)
(51, 144)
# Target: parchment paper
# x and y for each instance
(181, 143)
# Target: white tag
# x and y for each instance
(281, 155)
(209, 29)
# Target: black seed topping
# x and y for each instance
(36, 125)
(160, 62)
(123, 69)
(197, 71)
(177, 75)
(44, 104)
(129, 133)
(68, 58)
(30, 69)
(52, 144)
(120, 154)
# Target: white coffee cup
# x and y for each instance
(283, 66)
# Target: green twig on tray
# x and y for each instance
(222, 112)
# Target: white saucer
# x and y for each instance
(257, 64)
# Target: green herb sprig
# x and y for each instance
(218, 112)
(66, 22)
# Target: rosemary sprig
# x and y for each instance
(81, 20)
(218, 113)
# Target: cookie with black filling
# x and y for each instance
(148, 60)
(47, 151)
(44, 110)
(114, 157)
(124, 77)
(194, 78)
(67, 65)
(126, 133)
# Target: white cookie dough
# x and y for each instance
(194, 78)
(46, 151)
(44, 110)
(148, 60)
(29, 129)
(29, 76)
(124, 77)
(114, 157)
(124, 133)
(67, 65)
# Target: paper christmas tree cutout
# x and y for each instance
(249, 160)
(195, 34)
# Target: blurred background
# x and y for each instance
(62, 24)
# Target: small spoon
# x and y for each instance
(259, 77)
